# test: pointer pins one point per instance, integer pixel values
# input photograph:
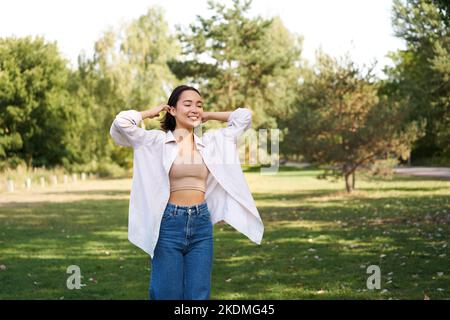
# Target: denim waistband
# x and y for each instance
(197, 209)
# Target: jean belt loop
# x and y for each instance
(198, 211)
(175, 212)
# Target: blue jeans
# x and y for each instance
(182, 261)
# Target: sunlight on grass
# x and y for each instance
(318, 241)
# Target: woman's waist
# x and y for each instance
(191, 209)
(187, 197)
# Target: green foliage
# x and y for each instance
(134, 58)
(421, 75)
(240, 61)
(34, 103)
(444, 10)
(342, 121)
(128, 71)
(381, 169)
(111, 170)
(52, 115)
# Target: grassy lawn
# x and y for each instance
(317, 244)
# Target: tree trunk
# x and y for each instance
(353, 180)
(348, 184)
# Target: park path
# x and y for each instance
(441, 172)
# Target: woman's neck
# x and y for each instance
(183, 135)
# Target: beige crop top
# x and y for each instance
(188, 173)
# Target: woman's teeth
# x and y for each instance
(193, 118)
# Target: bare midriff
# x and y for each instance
(187, 197)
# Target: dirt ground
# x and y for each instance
(81, 190)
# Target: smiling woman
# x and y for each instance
(188, 173)
(182, 185)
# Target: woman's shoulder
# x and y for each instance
(156, 133)
(154, 137)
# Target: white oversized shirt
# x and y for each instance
(227, 194)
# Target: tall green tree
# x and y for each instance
(128, 71)
(421, 73)
(241, 61)
(134, 58)
(341, 121)
(35, 106)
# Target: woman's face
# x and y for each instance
(189, 110)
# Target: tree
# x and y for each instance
(421, 73)
(52, 115)
(241, 61)
(35, 106)
(342, 121)
(128, 71)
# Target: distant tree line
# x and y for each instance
(332, 112)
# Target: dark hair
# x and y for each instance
(169, 122)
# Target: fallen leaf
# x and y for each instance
(320, 291)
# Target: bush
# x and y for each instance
(434, 161)
(383, 168)
(22, 172)
(112, 170)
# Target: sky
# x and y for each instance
(361, 27)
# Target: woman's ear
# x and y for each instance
(172, 111)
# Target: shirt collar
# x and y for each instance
(170, 137)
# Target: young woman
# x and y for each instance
(182, 185)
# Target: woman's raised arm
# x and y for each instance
(125, 129)
(238, 121)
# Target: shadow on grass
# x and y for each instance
(92, 192)
(311, 249)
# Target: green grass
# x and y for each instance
(317, 244)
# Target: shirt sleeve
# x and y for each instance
(238, 122)
(125, 129)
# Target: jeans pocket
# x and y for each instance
(167, 216)
(205, 217)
